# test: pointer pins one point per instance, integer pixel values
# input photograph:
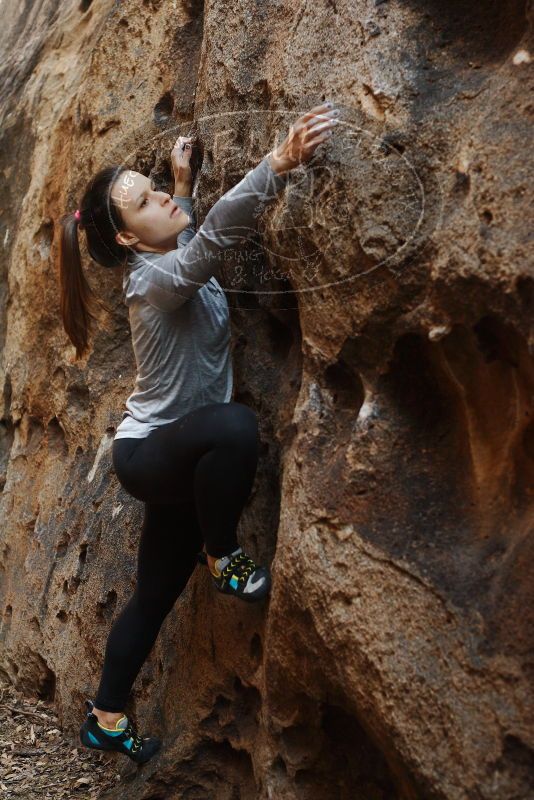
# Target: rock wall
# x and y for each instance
(385, 340)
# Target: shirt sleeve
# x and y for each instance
(174, 277)
(186, 204)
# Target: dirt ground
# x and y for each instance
(37, 761)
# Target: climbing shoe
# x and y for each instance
(123, 738)
(237, 574)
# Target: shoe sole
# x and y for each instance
(247, 599)
(110, 749)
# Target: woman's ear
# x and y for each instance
(126, 238)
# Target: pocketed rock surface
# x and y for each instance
(383, 334)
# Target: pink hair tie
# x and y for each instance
(77, 214)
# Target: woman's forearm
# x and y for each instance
(182, 188)
(278, 163)
(235, 215)
(168, 280)
(178, 274)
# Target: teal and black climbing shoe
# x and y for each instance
(123, 738)
(237, 574)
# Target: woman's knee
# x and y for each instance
(238, 424)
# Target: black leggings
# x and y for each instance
(194, 476)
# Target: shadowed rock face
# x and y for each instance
(388, 354)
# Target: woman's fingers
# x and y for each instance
(318, 133)
(317, 127)
(312, 123)
(316, 110)
(306, 133)
(332, 112)
(183, 143)
(182, 149)
(318, 139)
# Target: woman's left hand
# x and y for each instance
(180, 156)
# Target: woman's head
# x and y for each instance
(152, 220)
(121, 214)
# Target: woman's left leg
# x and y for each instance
(170, 541)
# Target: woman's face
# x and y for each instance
(152, 219)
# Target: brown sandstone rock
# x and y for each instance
(393, 380)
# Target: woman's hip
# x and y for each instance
(162, 464)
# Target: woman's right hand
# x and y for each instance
(180, 157)
(305, 135)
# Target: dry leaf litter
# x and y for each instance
(38, 761)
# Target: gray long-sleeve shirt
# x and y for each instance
(179, 316)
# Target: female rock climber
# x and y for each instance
(183, 447)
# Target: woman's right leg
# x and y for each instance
(209, 455)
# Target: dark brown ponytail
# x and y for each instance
(101, 219)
